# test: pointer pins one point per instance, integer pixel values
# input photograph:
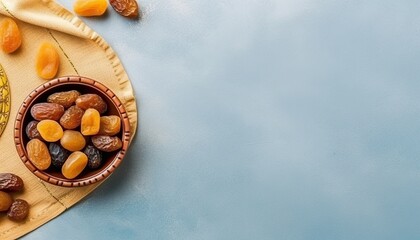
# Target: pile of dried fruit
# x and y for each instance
(18, 209)
(89, 8)
(76, 133)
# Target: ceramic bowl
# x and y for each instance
(84, 85)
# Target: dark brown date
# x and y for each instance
(19, 210)
(94, 157)
(10, 182)
(31, 130)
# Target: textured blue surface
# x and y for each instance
(287, 119)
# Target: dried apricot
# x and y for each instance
(126, 8)
(50, 130)
(19, 210)
(10, 36)
(72, 117)
(74, 165)
(72, 140)
(86, 101)
(38, 154)
(5, 201)
(47, 61)
(90, 122)
(42, 111)
(110, 125)
(106, 143)
(64, 98)
(89, 8)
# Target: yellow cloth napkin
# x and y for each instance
(83, 52)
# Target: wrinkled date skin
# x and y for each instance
(42, 111)
(10, 182)
(58, 155)
(31, 130)
(106, 143)
(66, 99)
(94, 157)
(72, 117)
(19, 210)
(86, 101)
(126, 8)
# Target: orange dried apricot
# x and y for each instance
(50, 130)
(74, 165)
(89, 8)
(90, 122)
(73, 140)
(110, 125)
(38, 154)
(10, 36)
(47, 61)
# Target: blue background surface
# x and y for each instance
(287, 119)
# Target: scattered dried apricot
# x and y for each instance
(5, 201)
(47, 61)
(10, 36)
(89, 8)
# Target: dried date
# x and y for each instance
(86, 101)
(31, 130)
(10, 182)
(42, 111)
(94, 157)
(106, 143)
(66, 99)
(58, 155)
(126, 8)
(19, 210)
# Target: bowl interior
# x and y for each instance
(88, 176)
